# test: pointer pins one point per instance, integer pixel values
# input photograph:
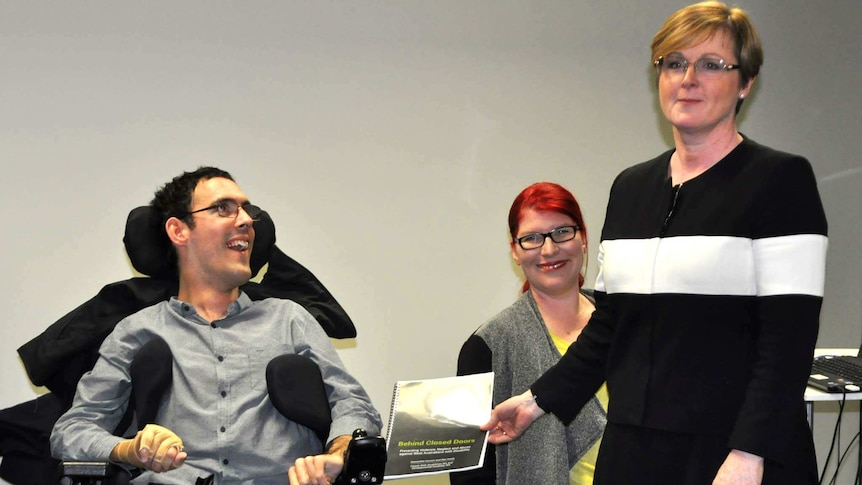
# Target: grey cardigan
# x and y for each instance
(521, 350)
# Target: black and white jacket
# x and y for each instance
(708, 300)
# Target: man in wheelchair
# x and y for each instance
(219, 416)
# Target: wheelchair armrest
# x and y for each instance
(92, 473)
(364, 463)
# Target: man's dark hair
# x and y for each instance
(174, 199)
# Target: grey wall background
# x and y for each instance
(386, 138)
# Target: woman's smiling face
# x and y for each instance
(553, 268)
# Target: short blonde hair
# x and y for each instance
(692, 25)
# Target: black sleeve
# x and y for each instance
(68, 348)
(790, 210)
(475, 358)
(287, 278)
(570, 383)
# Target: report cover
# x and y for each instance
(434, 425)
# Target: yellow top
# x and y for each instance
(582, 472)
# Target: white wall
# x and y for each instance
(386, 138)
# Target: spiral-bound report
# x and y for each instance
(434, 425)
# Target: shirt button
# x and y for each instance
(213, 325)
(225, 461)
(223, 429)
(185, 307)
(220, 358)
(223, 394)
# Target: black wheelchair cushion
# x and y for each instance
(296, 390)
(150, 250)
(152, 374)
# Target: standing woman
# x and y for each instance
(709, 292)
(549, 243)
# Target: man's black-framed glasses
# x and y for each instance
(676, 65)
(230, 208)
(537, 239)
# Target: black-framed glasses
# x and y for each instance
(537, 239)
(230, 208)
(676, 65)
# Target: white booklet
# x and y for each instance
(434, 425)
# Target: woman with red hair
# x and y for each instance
(549, 243)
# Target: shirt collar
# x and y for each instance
(235, 308)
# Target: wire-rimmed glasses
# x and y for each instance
(230, 208)
(676, 65)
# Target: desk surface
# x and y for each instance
(812, 394)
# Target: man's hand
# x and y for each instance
(320, 469)
(740, 468)
(154, 448)
(512, 417)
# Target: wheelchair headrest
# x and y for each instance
(150, 250)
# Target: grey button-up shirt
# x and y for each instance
(218, 402)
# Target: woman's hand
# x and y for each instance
(740, 468)
(512, 417)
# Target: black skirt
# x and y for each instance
(631, 454)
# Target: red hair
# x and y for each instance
(551, 197)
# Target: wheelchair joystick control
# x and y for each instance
(364, 460)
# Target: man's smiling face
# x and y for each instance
(219, 248)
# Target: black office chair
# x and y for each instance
(59, 356)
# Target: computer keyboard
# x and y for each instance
(849, 370)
